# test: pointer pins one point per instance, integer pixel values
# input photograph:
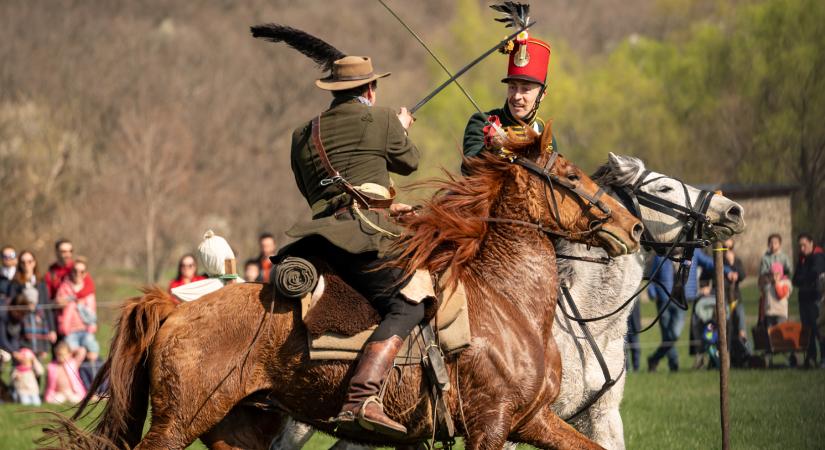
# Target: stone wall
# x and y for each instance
(763, 216)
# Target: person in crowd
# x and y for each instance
(90, 367)
(808, 278)
(634, 326)
(672, 317)
(268, 248)
(77, 320)
(737, 330)
(774, 254)
(63, 382)
(7, 272)
(187, 272)
(30, 292)
(734, 275)
(24, 377)
(61, 268)
(252, 270)
(776, 294)
(8, 269)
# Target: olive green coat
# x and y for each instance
(363, 143)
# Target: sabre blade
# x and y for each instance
(469, 66)
(437, 60)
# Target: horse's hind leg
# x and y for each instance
(175, 426)
(547, 430)
(250, 428)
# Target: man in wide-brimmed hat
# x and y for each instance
(342, 161)
(526, 87)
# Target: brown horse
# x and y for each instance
(202, 361)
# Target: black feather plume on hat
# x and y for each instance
(516, 14)
(316, 49)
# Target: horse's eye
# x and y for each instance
(572, 177)
(665, 189)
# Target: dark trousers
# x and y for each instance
(671, 323)
(808, 313)
(634, 325)
(381, 286)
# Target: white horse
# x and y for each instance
(598, 289)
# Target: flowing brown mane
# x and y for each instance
(448, 232)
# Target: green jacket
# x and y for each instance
(474, 132)
(363, 143)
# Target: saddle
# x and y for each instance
(339, 320)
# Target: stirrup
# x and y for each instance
(378, 427)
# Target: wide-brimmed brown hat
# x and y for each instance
(349, 72)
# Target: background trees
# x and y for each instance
(132, 127)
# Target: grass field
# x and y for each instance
(783, 409)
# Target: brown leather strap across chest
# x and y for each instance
(334, 177)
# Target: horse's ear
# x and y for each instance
(625, 169)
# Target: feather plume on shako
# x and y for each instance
(516, 15)
(316, 49)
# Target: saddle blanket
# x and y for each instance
(451, 323)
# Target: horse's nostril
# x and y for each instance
(734, 211)
(638, 229)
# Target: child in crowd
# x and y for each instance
(776, 294)
(252, 270)
(38, 326)
(772, 255)
(63, 383)
(24, 377)
(88, 370)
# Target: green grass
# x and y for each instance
(768, 408)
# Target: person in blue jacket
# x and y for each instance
(673, 318)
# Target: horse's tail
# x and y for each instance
(126, 371)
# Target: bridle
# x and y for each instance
(691, 236)
(695, 221)
(551, 180)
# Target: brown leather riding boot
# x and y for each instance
(363, 405)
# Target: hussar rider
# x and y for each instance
(342, 161)
(526, 87)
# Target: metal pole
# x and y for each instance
(724, 357)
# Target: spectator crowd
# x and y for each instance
(49, 350)
(778, 277)
(48, 316)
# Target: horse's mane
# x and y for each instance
(449, 230)
(618, 171)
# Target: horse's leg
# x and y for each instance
(176, 424)
(293, 435)
(248, 427)
(488, 429)
(547, 430)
